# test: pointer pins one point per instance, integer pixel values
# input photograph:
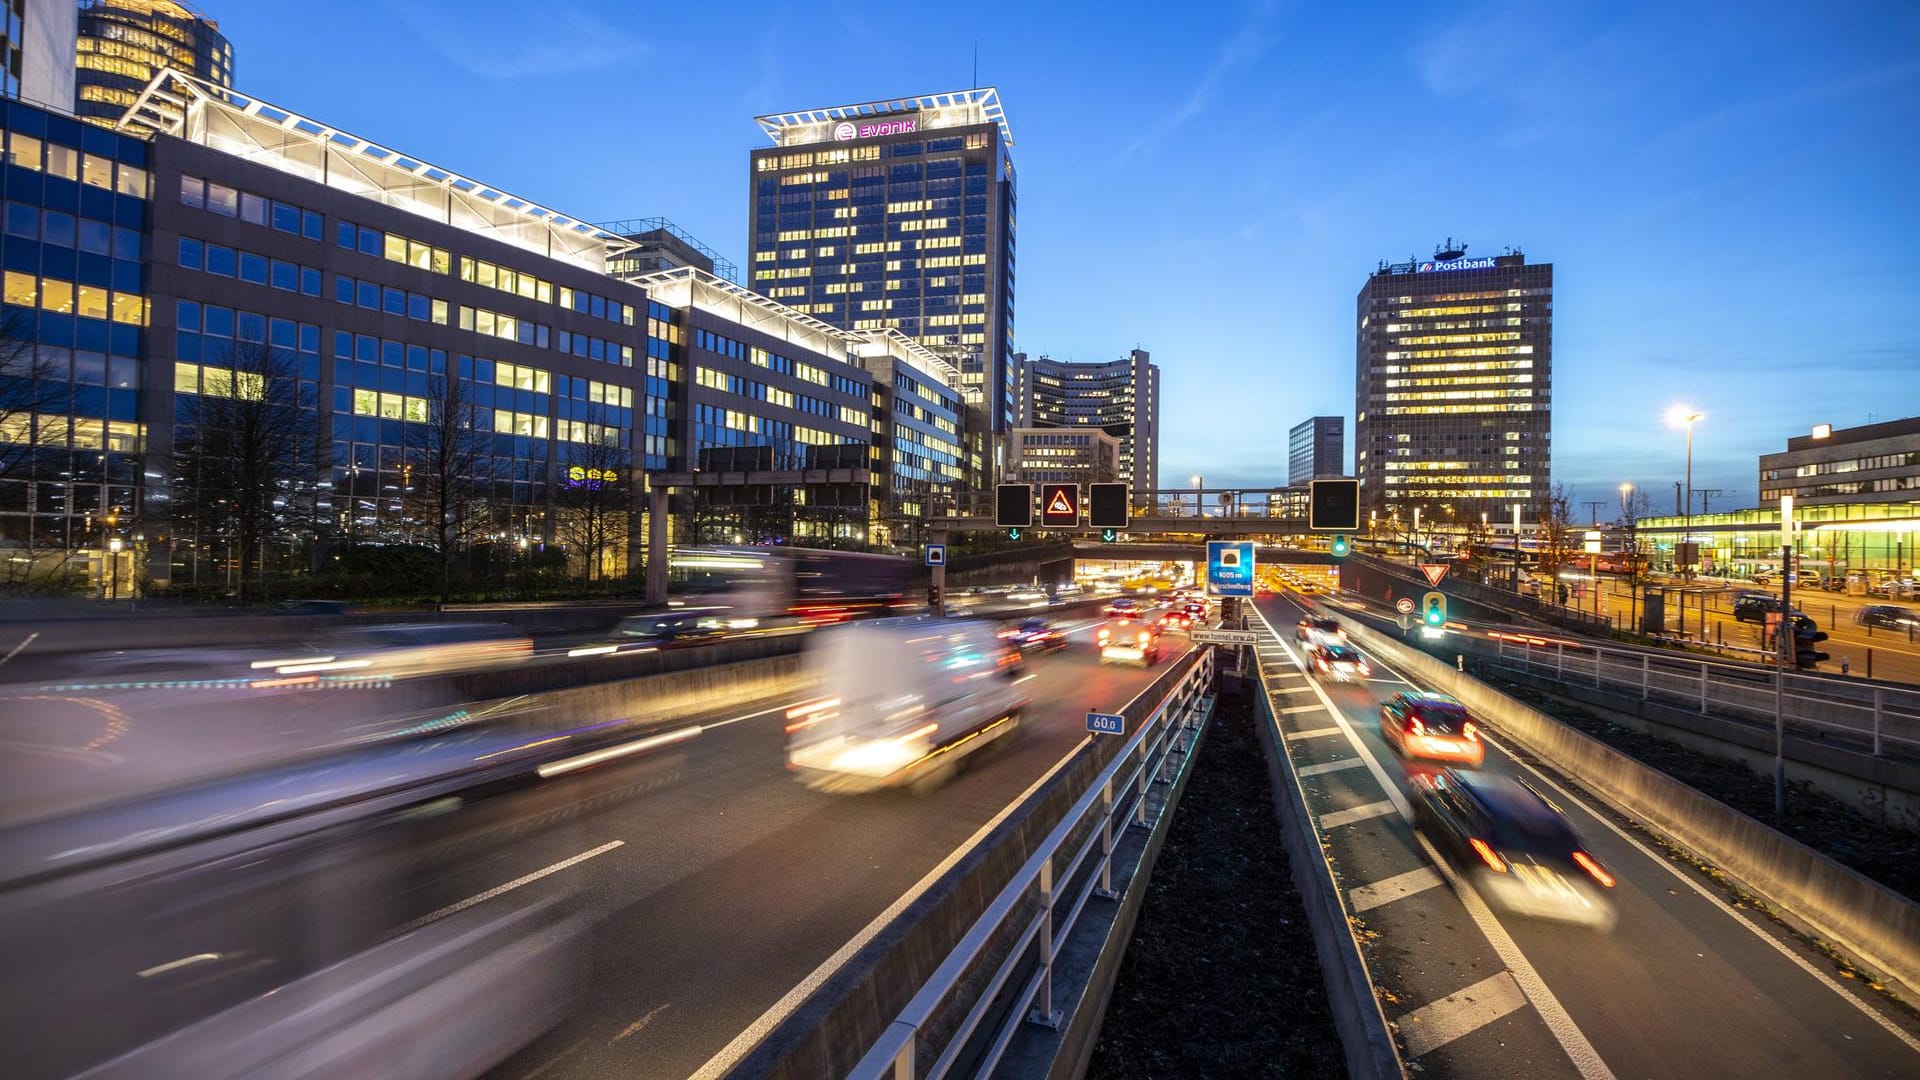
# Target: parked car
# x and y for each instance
(1514, 845)
(1431, 726)
(1888, 617)
(1754, 607)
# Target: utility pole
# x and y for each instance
(1593, 507)
(1706, 498)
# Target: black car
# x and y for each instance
(1888, 617)
(1513, 845)
(1755, 607)
(671, 628)
(1034, 635)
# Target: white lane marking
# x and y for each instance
(749, 1036)
(1438, 1023)
(610, 753)
(498, 890)
(1552, 1013)
(1559, 1023)
(1294, 689)
(641, 1024)
(1719, 902)
(15, 651)
(1329, 766)
(175, 965)
(755, 715)
(1312, 733)
(1387, 890)
(1358, 813)
(1292, 709)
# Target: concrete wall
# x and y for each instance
(1873, 923)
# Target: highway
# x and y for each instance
(1686, 984)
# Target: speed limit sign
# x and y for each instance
(1404, 605)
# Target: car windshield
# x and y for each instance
(1441, 718)
(1326, 625)
(1340, 653)
(1522, 821)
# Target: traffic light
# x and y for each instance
(1107, 506)
(1339, 546)
(1013, 534)
(1013, 507)
(1333, 506)
(1433, 609)
(1805, 637)
(933, 596)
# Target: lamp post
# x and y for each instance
(1199, 506)
(1685, 416)
(113, 552)
(1633, 559)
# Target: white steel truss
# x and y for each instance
(225, 120)
(976, 106)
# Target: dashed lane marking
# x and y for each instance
(1357, 813)
(1330, 766)
(1311, 733)
(1386, 891)
(1435, 1025)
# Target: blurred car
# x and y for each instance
(1313, 631)
(1341, 663)
(316, 607)
(1888, 617)
(1307, 588)
(1034, 635)
(671, 628)
(904, 701)
(1129, 641)
(1030, 597)
(1196, 610)
(1178, 619)
(1431, 726)
(1514, 846)
(1124, 607)
(408, 649)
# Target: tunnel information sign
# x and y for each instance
(1230, 567)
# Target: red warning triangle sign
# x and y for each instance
(1060, 504)
(1434, 571)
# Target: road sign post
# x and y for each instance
(1106, 723)
(1223, 637)
(1404, 606)
(936, 554)
(1230, 567)
(1434, 572)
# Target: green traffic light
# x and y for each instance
(1108, 536)
(1013, 534)
(1339, 547)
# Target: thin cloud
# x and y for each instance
(1237, 53)
(567, 41)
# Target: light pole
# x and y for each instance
(1685, 416)
(1632, 547)
(113, 552)
(1199, 505)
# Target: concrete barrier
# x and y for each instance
(1876, 925)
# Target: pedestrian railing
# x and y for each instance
(1038, 909)
(1868, 714)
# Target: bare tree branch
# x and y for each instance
(442, 490)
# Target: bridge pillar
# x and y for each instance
(656, 545)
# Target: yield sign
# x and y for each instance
(1434, 571)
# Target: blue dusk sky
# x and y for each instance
(1729, 192)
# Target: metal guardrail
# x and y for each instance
(1027, 906)
(1498, 599)
(1866, 712)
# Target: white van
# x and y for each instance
(901, 702)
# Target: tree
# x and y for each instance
(595, 500)
(443, 449)
(1557, 546)
(1633, 507)
(245, 457)
(28, 387)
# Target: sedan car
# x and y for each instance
(1129, 641)
(1888, 617)
(1177, 619)
(1124, 607)
(1431, 726)
(1034, 635)
(1341, 663)
(1314, 631)
(1514, 846)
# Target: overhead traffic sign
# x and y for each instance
(936, 554)
(1059, 505)
(1333, 506)
(1106, 723)
(1223, 637)
(1107, 506)
(1013, 506)
(1434, 571)
(1404, 605)
(1230, 567)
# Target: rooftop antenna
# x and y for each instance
(1449, 251)
(975, 84)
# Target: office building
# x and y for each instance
(659, 244)
(899, 215)
(1454, 385)
(1120, 397)
(1063, 455)
(1315, 450)
(1875, 463)
(37, 50)
(123, 44)
(918, 450)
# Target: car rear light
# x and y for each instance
(1489, 856)
(1471, 732)
(1104, 635)
(1143, 637)
(1365, 670)
(1592, 866)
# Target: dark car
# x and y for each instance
(1124, 607)
(1431, 726)
(1341, 663)
(1177, 619)
(1755, 607)
(1888, 617)
(672, 628)
(316, 607)
(1034, 635)
(1513, 845)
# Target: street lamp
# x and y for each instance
(1684, 416)
(113, 547)
(1199, 506)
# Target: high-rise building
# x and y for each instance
(899, 215)
(36, 51)
(1454, 385)
(1120, 397)
(1315, 449)
(1062, 455)
(123, 44)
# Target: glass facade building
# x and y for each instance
(123, 44)
(1315, 449)
(37, 49)
(899, 215)
(1067, 456)
(1120, 397)
(1869, 464)
(1454, 386)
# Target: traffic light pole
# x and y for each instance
(938, 578)
(1784, 639)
